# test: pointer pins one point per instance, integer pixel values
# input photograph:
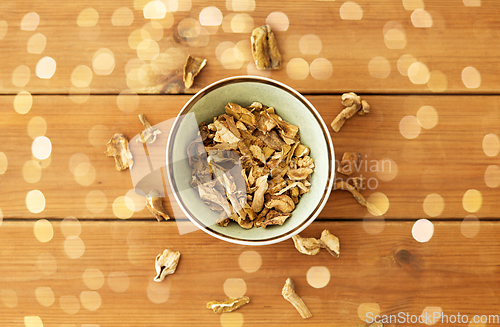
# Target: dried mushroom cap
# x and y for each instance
(166, 264)
(228, 305)
(352, 103)
(282, 203)
(330, 242)
(351, 99)
(265, 50)
(155, 205)
(192, 67)
(349, 163)
(118, 148)
(309, 246)
(148, 135)
(289, 294)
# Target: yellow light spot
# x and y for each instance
(46, 263)
(81, 76)
(433, 205)
(351, 11)
(74, 247)
(240, 5)
(242, 23)
(413, 4)
(154, 29)
(90, 300)
(235, 287)
(44, 296)
(32, 172)
(387, 169)
(321, 69)
(96, 201)
(437, 81)
(77, 159)
(23, 102)
(318, 277)
(137, 36)
(35, 201)
(418, 73)
(30, 21)
(278, 21)
(89, 33)
(470, 226)
(492, 176)
(148, 50)
(368, 310)
(427, 117)
(134, 201)
(409, 127)
(472, 3)
(380, 201)
(421, 19)
(120, 208)
(395, 39)
(379, 67)
(87, 17)
(232, 319)
(85, 174)
(373, 225)
(41, 147)
(69, 304)
(471, 77)
(21, 76)
(250, 261)
(210, 16)
(3, 28)
(154, 10)
(404, 63)
(36, 43)
(33, 321)
(43, 230)
(118, 281)
(491, 145)
(182, 5)
(232, 59)
(159, 292)
(223, 46)
(127, 101)
(45, 68)
(244, 47)
(70, 226)
(99, 135)
(422, 230)
(226, 22)
(37, 126)
(472, 200)
(297, 69)
(103, 61)
(8, 298)
(79, 95)
(122, 16)
(310, 44)
(4, 163)
(434, 312)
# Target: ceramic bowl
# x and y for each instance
(293, 108)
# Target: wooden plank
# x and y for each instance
(111, 283)
(360, 55)
(443, 162)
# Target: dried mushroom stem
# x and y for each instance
(228, 305)
(353, 104)
(289, 294)
(192, 68)
(166, 264)
(148, 135)
(118, 148)
(361, 200)
(265, 48)
(155, 205)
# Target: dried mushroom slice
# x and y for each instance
(352, 103)
(349, 163)
(192, 67)
(309, 246)
(155, 205)
(118, 148)
(148, 135)
(166, 264)
(272, 217)
(282, 203)
(330, 242)
(228, 305)
(265, 48)
(289, 294)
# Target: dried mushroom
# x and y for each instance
(309, 246)
(148, 135)
(192, 67)
(353, 104)
(350, 162)
(265, 48)
(341, 185)
(155, 205)
(228, 305)
(330, 242)
(289, 294)
(118, 148)
(166, 264)
(249, 166)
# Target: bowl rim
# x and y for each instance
(331, 154)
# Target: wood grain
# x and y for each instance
(447, 159)
(389, 269)
(348, 45)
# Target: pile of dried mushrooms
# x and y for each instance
(249, 165)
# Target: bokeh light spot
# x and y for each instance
(35, 201)
(21, 76)
(471, 77)
(122, 17)
(472, 200)
(278, 21)
(45, 68)
(30, 21)
(470, 226)
(36, 43)
(250, 261)
(43, 230)
(433, 205)
(427, 117)
(235, 287)
(409, 127)
(379, 67)
(318, 277)
(422, 230)
(351, 11)
(87, 18)
(491, 145)
(492, 176)
(23, 102)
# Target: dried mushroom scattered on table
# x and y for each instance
(166, 264)
(353, 104)
(155, 204)
(249, 165)
(349, 163)
(192, 67)
(148, 135)
(118, 148)
(228, 305)
(265, 48)
(289, 294)
(312, 246)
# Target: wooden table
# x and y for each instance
(77, 246)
